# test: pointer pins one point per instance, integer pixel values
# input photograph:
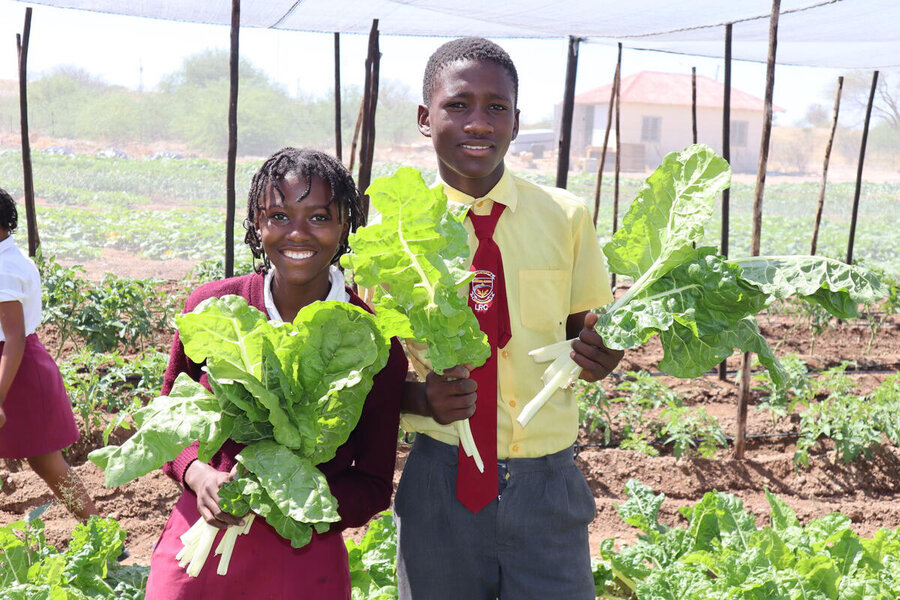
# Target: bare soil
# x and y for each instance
(867, 490)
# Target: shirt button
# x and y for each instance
(505, 354)
(479, 204)
(512, 403)
(515, 448)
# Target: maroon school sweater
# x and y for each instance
(361, 473)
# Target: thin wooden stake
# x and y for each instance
(359, 118)
(744, 392)
(726, 154)
(821, 207)
(232, 138)
(859, 169)
(337, 96)
(568, 108)
(370, 100)
(694, 104)
(609, 114)
(615, 219)
(34, 240)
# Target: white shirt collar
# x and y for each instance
(8, 243)
(337, 292)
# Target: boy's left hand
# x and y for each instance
(591, 354)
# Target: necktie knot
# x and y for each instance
(484, 225)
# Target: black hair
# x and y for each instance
(471, 48)
(9, 216)
(305, 163)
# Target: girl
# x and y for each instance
(36, 419)
(301, 206)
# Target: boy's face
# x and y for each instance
(471, 120)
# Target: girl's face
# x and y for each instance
(300, 237)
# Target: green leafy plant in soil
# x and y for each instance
(373, 570)
(116, 312)
(855, 424)
(32, 569)
(649, 415)
(721, 553)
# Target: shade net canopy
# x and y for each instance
(855, 34)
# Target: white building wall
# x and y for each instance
(675, 131)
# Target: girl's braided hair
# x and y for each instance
(9, 216)
(304, 163)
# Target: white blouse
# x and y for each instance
(337, 292)
(20, 281)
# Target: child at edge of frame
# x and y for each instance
(301, 207)
(519, 531)
(36, 419)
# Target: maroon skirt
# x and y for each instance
(263, 566)
(39, 417)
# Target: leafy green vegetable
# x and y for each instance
(292, 392)
(31, 568)
(700, 303)
(721, 554)
(372, 562)
(415, 259)
(419, 249)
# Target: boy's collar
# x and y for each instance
(504, 192)
(8, 242)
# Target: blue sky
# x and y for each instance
(137, 52)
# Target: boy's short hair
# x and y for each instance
(471, 48)
(9, 216)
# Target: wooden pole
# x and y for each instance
(744, 392)
(694, 104)
(232, 138)
(859, 169)
(370, 101)
(337, 96)
(359, 118)
(609, 114)
(615, 218)
(726, 154)
(568, 108)
(821, 206)
(34, 240)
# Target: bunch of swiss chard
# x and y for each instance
(415, 259)
(291, 392)
(722, 554)
(700, 303)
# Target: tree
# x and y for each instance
(886, 107)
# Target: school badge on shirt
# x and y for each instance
(482, 290)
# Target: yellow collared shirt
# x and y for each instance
(553, 267)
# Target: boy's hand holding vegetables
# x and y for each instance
(445, 398)
(588, 350)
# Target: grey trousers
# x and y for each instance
(531, 543)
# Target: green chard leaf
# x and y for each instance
(835, 286)
(296, 486)
(420, 249)
(669, 213)
(166, 427)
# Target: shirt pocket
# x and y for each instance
(543, 298)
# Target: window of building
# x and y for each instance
(739, 133)
(650, 128)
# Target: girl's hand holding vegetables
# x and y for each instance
(590, 353)
(206, 482)
(450, 397)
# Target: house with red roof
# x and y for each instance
(655, 119)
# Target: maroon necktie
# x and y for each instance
(487, 298)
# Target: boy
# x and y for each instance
(519, 531)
